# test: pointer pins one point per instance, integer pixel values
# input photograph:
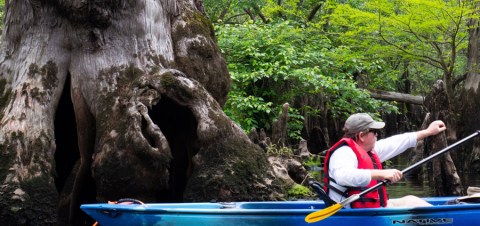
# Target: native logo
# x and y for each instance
(423, 221)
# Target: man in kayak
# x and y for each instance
(354, 163)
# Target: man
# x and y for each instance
(354, 164)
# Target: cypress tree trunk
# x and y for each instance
(110, 99)
(469, 101)
(444, 175)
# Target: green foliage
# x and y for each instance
(347, 48)
(273, 150)
(271, 64)
(294, 124)
(422, 37)
(294, 10)
(247, 110)
(299, 192)
(313, 164)
(241, 11)
(232, 11)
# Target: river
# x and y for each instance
(422, 187)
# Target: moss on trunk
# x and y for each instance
(231, 169)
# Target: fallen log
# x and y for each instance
(399, 97)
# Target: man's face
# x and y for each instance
(368, 139)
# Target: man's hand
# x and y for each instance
(393, 175)
(434, 128)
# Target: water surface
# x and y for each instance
(422, 187)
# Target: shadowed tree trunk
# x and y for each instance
(469, 100)
(316, 129)
(443, 174)
(142, 84)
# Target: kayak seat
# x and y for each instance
(473, 198)
(318, 189)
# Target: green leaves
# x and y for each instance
(423, 34)
(349, 46)
(300, 192)
(271, 64)
(248, 110)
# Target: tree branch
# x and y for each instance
(458, 80)
(314, 11)
(249, 12)
(399, 97)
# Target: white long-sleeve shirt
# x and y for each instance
(343, 167)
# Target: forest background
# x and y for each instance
(338, 52)
(331, 58)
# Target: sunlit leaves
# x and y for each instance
(423, 33)
(232, 11)
(350, 46)
(271, 64)
(247, 110)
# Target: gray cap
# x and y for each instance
(361, 122)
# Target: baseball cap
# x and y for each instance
(361, 122)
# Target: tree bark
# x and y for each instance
(443, 174)
(399, 97)
(314, 11)
(279, 128)
(145, 83)
(316, 123)
(468, 101)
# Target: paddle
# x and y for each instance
(329, 211)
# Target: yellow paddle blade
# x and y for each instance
(322, 214)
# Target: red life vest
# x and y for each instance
(370, 160)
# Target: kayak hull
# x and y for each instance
(279, 213)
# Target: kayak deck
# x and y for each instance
(279, 213)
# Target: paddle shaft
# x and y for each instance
(416, 165)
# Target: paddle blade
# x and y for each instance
(322, 214)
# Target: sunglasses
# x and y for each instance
(375, 132)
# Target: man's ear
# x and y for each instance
(361, 136)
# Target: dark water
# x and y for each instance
(421, 187)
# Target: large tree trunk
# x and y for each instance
(143, 83)
(316, 124)
(443, 174)
(469, 101)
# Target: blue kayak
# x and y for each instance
(277, 213)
